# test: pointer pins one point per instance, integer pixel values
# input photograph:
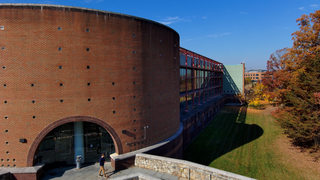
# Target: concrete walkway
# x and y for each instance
(91, 172)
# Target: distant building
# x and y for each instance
(233, 81)
(256, 75)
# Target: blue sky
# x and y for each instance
(228, 31)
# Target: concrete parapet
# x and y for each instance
(171, 147)
(34, 172)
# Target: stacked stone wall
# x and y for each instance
(184, 169)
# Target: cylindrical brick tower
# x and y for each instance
(60, 65)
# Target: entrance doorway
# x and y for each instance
(57, 149)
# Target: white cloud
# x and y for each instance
(301, 8)
(314, 5)
(170, 20)
(243, 13)
(204, 17)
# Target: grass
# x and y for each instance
(245, 141)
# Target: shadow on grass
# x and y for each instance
(225, 133)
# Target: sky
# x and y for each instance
(228, 31)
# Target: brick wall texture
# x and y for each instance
(48, 56)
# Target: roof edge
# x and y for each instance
(86, 9)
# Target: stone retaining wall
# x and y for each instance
(183, 168)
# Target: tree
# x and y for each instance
(295, 83)
(247, 80)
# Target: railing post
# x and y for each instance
(189, 173)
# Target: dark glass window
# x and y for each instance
(182, 85)
(189, 61)
(182, 60)
(188, 72)
(182, 103)
(182, 72)
(196, 62)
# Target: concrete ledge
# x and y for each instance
(34, 172)
(182, 168)
(117, 157)
(135, 177)
(123, 161)
(22, 170)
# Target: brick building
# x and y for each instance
(256, 75)
(77, 81)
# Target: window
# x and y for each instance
(257, 74)
(189, 61)
(2, 27)
(182, 60)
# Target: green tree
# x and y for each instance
(296, 82)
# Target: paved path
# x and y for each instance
(91, 172)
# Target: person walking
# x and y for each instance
(101, 162)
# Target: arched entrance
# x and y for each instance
(61, 141)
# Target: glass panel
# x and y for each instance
(188, 72)
(182, 103)
(107, 145)
(182, 72)
(189, 84)
(64, 144)
(182, 85)
(57, 148)
(182, 60)
(189, 60)
(196, 62)
(190, 102)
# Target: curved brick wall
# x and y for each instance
(59, 62)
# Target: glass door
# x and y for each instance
(64, 144)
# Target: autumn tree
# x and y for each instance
(247, 80)
(295, 83)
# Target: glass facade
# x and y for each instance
(200, 79)
(57, 148)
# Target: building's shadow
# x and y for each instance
(225, 133)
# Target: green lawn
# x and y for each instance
(243, 142)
